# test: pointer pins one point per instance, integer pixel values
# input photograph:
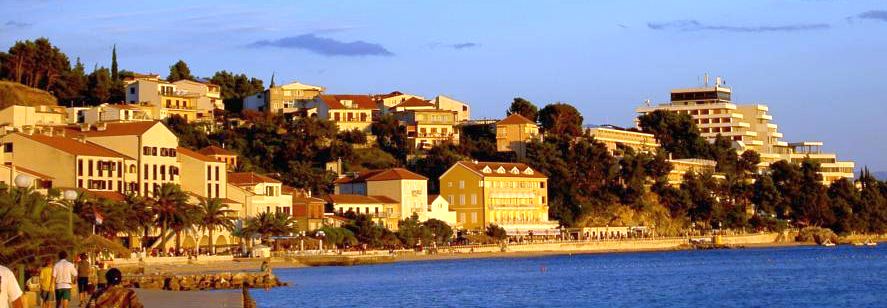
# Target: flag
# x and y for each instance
(99, 218)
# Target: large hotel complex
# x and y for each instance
(111, 150)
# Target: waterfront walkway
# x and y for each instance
(188, 299)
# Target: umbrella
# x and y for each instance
(97, 243)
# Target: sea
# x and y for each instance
(808, 276)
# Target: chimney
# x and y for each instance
(84, 127)
(61, 132)
(81, 138)
(101, 126)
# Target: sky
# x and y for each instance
(819, 65)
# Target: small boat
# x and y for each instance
(858, 244)
(869, 242)
(828, 243)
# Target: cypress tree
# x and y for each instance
(114, 73)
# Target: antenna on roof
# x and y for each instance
(705, 80)
(648, 103)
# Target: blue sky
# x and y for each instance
(819, 65)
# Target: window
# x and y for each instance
(450, 199)
(461, 184)
(461, 199)
(541, 184)
(7, 147)
(154, 151)
(449, 184)
(218, 193)
(146, 151)
(209, 190)
(90, 167)
(145, 171)
(132, 90)
(473, 198)
(217, 173)
(473, 217)
(155, 172)
(79, 168)
(209, 175)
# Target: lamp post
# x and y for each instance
(301, 242)
(320, 235)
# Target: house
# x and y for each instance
(202, 175)
(17, 117)
(309, 212)
(510, 195)
(114, 113)
(408, 189)
(151, 144)
(513, 133)
(381, 209)
(463, 111)
(427, 126)
(257, 194)
(209, 95)
(348, 112)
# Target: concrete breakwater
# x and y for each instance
(194, 282)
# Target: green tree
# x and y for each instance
(677, 133)
(271, 224)
(30, 228)
(36, 64)
(100, 86)
(435, 162)
(115, 74)
(235, 87)
(561, 119)
(391, 136)
(215, 215)
(523, 107)
(441, 232)
(496, 232)
(179, 71)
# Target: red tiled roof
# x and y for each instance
(188, 152)
(75, 147)
(521, 167)
(115, 129)
(431, 198)
(414, 102)
(248, 179)
(214, 150)
(515, 119)
(392, 94)
(359, 101)
(382, 175)
(108, 195)
(358, 199)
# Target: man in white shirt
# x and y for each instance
(10, 292)
(63, 273)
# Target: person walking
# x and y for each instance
(46, 287)
(83, 268)
(64, 275)
(10, 292)
(101, 280)
(115, 295)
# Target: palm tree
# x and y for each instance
(170, 207)
(30, 228)
(267, 224)
(215, 216)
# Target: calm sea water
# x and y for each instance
(773, 277)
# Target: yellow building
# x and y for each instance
(463, 111)
(831, 169)
(510, 195)
(409, 191)
(749, 126)
(387, 101)
(513, 133)
(381, 209)
(614, 138)
(427, 126)
(17, 117)
(68, 162)
(348, 112)
(152, 144)
(222, 155)
(257, 194)
(114, 113)
(209, 96)
(309, 212)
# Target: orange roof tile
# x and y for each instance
(75, 147)
(115, 129)
(494, 166)
(515, 119)
(431, 198)
(248, 178)
(392, 94)
(382, 175)
(214, 150)
(361, 101)
(414, 102)
(188, 152)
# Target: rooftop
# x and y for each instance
(381, 175)
(114, 129)
(499, 169)
(248, 179)
(214, 150)
(515, 119)
(191, 153)
(358, 199)
(357, 101)
(75, 147)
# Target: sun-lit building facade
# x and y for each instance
(513, 133)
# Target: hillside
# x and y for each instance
(13, 93)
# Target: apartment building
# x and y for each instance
(510, 195)
(293, 97)
(61, 161)
(831, 169)
(427, 126)
(348, 112)
(256, 193)
(513, 133)
(409, 191)
(749, 126)
(680, 167)
(221, 154)
(387, 101)
(615, 138)
(209, 95)
(202, 175)
(309, 212)
(151, 144)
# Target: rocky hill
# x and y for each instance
(13, 93)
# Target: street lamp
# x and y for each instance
(301, 242)
(23, 181)
(320, 235)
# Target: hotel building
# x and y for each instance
(510, 195)
(615, 138)
(409, 191)
(749, 126)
